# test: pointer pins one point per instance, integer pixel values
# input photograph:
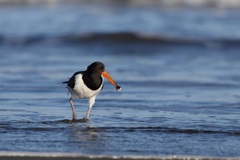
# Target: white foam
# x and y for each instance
(58, 154)
(161, 3)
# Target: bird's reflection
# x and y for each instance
(85, 137)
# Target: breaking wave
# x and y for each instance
(59, 155)
(122, 37)
(157, 3)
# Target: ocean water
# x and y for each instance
(178, 69)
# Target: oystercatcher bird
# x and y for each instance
(87, 84)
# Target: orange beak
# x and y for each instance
(106, 75)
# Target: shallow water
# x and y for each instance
(180, 96)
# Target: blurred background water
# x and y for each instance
(178, 64)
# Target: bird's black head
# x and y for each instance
(96, 68)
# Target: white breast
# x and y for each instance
(81, 91)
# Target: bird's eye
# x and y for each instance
(99, 67)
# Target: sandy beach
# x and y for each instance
(68, 156)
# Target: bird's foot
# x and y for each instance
(85, 118)
(74, 116)
(74, 120)
(80, 120)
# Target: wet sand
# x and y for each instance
(72, 156)
(110, 158)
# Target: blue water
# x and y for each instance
(178, 69)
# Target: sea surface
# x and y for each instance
(179, 69)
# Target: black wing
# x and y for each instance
(71, 81)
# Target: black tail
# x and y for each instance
(65, 82)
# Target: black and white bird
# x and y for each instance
(87, 84)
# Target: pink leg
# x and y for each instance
(88, 113)
(73, 111)
(91, 103)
